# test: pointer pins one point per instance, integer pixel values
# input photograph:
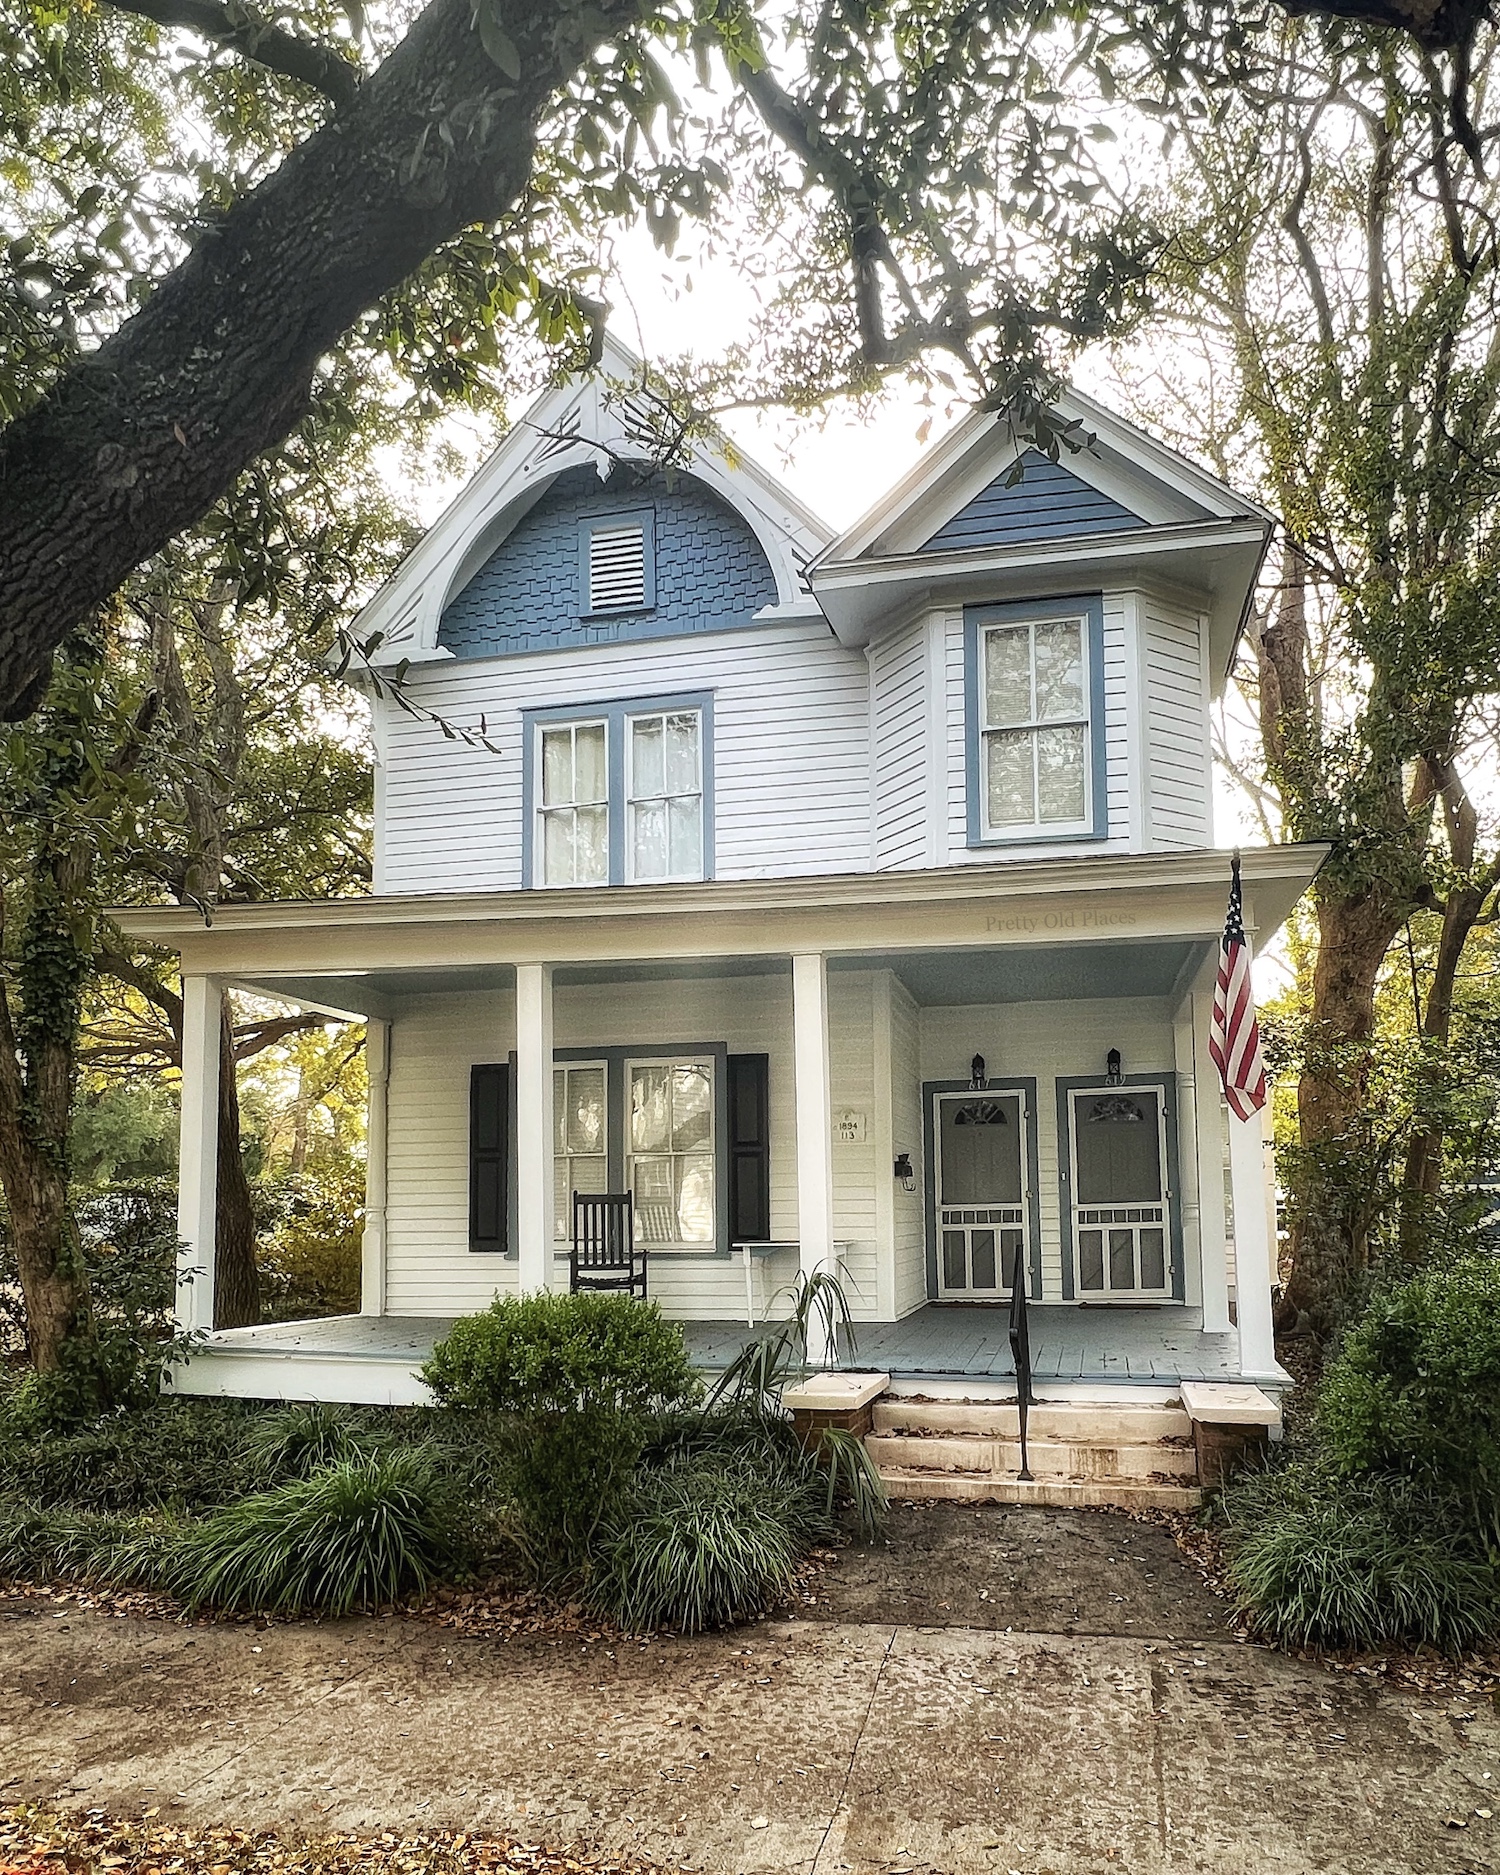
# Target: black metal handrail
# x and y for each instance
(1020, 1349)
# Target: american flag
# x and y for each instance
(1234, 1040)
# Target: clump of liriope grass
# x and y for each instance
(42, 1543)
(701, 1544)
(366, 1530)
(1319, 1559)
(723, 1505)
(297, 1441)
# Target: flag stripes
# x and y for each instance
(1234, 1037)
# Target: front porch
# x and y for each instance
(932, 1084)
(375, 1359)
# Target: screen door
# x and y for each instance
(981, 1192)
(1119, 1150)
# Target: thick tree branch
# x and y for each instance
(137, 440)
(1440, 25)
(240, 29)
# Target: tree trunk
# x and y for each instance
(1329, 1224)
(1422, 1181)
(138, 440)
(54, 1283)
(236, 1278)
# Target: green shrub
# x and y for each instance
(355, 1534)
(702, 1543)
(296, 1441)
(1319, 1558)
(560, 1354)
(168, 1454)
(310, 1225)
(563, 1474)
(1416, 1387)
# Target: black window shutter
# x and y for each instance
(749, 1148)
(489, 1157)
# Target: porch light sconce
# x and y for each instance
(1115, 1109)
(902, 1170)
(979, 1112)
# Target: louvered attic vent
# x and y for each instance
(617, 568)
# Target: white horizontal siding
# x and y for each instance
(790, 756)
(1179, 781)
(898, 708)
(430, 1269)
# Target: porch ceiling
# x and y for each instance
(1053, 973)
(359, 953)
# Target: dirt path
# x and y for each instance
(985, 1737)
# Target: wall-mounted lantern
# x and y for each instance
(1115, 1109)
(902, 1170)
(979, 1112)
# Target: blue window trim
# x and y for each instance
(614, 1059)
(614, 714)
(616, 517)
(1091, 605)
(1166, 1081)
(1025, 1086)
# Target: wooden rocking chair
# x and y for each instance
(605, 1254)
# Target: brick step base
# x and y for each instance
(1049, 1458)
(1058, 1493)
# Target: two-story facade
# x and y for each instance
(850, 898)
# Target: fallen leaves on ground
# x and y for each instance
(1475, 1674)
(35, 1840)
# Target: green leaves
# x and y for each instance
(496, 41)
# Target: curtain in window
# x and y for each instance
(671, 1157)
(575, 805)
(666, 796)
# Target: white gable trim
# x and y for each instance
(1155, 482)
(407, 610)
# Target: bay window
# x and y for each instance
(1035, 701)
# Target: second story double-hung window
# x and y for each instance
(666, 795)
(1035, 713)
(620, 794)
(574, 809)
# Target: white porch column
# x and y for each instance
(198, 1151)
(814, 1125)
(1254, 1271)
(1213, 1232)
(534, 1174)
(372, 1248)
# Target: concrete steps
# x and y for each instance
(1083, 1454)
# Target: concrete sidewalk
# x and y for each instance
(820, 1746)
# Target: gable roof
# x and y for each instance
(1044, 502)
(958, 529)
(579, 424)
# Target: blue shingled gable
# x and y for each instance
(1048, 503)
(711, 572)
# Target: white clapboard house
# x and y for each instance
(850, 900)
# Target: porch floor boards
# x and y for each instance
(948, 1342)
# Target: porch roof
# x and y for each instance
(1005, 905)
